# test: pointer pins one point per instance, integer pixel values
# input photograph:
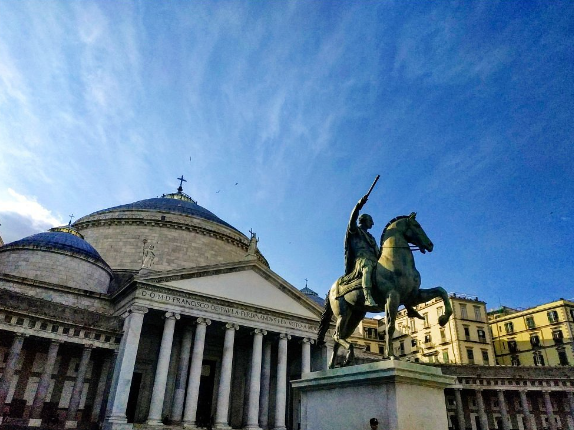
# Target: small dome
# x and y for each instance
(169, 204)
(313, 295)
(57, 240)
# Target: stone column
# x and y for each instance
(100, 389)
(43, 385)
(265, 386)
(306, 354)
(181, 380)
(222, 411)
(503, 410)
(281, 393)
(255, 381)
(71, 421)
(10, 369)
(124, 369)
(570, 396)
(481, 411)
(549, 410)
(160, 381)
(528, 417)
(190, 414)
(459, 408)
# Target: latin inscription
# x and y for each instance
(224, 310)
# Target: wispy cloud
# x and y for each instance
(38, 217)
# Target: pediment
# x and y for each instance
(250, 285)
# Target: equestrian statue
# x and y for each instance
(378, 278)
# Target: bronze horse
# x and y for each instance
(397, 282)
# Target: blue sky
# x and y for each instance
(465, 109)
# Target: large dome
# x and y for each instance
(61, 257)
(163, 233)
(170, 205)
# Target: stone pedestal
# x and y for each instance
(401, 395)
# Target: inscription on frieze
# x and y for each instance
(223, 310)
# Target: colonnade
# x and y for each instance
(526, 410)
(186, 394)
(42, 389)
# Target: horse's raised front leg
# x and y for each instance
(391, 308)
(428, 294)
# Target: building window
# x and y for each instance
(535, 340)
(445, 358)
(413, 326)
(442, 335)
(55, 328)
(8, 318)
(563, 358)
(530, 322)
(371, 333)
(467, 332)
(368, 348)
(426, 316)
(509, 327)
(485, 358)
(552, 317)
(413, 343)
(463, 313)
(515, 360)
(572, 313)
(538, 359)
(477, 313)
(402, 347)
(428, 338)
(66, 330)
(439, 311)
(31, 324)
(512, 346)
(470, 355)
(19, 321)
(76, 332)
(44, 326)
(481, 335)
(558, 336)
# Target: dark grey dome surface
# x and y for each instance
(56, 241)
(164, 204)
(312, 295)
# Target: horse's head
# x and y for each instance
(415, 234)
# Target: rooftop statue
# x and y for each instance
(378, 279)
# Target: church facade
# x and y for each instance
(154, 312)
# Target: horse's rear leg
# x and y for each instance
(391, 308)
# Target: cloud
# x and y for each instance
(22, 214)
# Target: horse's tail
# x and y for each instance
(325, 320)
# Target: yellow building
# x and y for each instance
(366, 336)
(465, 339)
(538, 336)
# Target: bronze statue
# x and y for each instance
(361, 250)
(396, 282)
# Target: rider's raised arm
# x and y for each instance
(355, 214)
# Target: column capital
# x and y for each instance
(231, 326)
(259, 331)
(284, 336)
(307, 340)
(203, 321)
(88, 346)
(135, 309)
(170, 315)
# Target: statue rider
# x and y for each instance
(361, 250)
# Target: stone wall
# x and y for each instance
(179, 241)
(58, 268)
